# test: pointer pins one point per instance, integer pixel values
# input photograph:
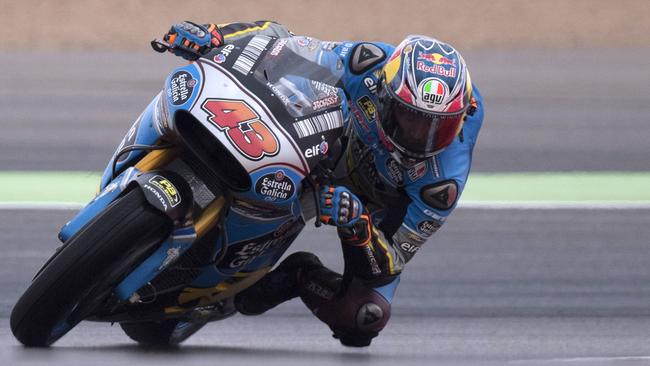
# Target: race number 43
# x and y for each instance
(242, 126)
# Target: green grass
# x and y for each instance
(578, 186)
(79, 187)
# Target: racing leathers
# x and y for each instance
(399, 208)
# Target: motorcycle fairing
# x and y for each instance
(251, 245)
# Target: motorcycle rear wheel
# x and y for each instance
(166, 333)
(66, 289)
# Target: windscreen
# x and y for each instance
(303, 73)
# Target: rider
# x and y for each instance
(415, 118)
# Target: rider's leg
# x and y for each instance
(355, 311)
(277, 286)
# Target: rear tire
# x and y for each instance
(166, 333)
(117, 240)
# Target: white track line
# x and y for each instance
(486, 205)
(582, 359)
(555, 205)
(47, 206)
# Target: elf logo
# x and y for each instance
(317, 150)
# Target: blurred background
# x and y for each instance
(566, 81)
(547, 256)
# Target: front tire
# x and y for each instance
(117, 240)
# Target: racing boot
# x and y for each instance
(278, 286)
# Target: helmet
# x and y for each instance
(424, 93)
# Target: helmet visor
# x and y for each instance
(418, 133)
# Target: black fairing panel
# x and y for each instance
(214, 162)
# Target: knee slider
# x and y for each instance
(360, 310)
(372, 314)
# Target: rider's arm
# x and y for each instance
(234, 31)
(380, 257)
(191, 40)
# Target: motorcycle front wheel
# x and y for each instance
(83, 273)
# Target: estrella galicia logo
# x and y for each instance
(244, 252)
(395, 171)
(181, 86)
(428, 227)
(275, 186)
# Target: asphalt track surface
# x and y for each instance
(522, 287)
(545, 110)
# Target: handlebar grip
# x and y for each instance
(160, 46)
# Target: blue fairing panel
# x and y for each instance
(144, 131)
(98, 204)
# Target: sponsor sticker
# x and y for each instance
(328, 46)
(433, 90)
(242, 253)
(436, 69)
(418, 171)
(325, 102)
(304, 41)
(346, 49)
(323, 89)
(167, 188)
(370, 84)
(250, 54)
(129, 139)
(278, 93)
(172, 256)
(275, 186)
(316, 150)
(433, 215)
(436, 58)
(368, 107)
(181, 86)
(395, 171)
(224, 53)
(319, 123)
(409, 248)
(278, 46)
(359, 118)
(257, 211)
(428, 227)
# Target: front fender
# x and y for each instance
(168, 192)
(164, 190)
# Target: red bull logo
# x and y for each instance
(437, 69)
(436, 58)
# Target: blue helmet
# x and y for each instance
(425, 93)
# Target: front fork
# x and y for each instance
(175, 200)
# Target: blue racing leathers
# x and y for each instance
(403, 207)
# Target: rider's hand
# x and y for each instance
(190, 40)
(339, 207)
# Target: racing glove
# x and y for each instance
(339, 207)
(190, 40)
(367, 253)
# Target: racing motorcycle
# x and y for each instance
(205, 193)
